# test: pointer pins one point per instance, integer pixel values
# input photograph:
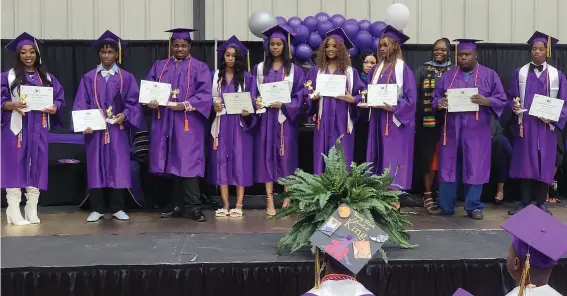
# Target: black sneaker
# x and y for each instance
(476, 214)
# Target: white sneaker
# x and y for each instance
(120, 215)
(95, 216)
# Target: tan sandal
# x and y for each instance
(221, 213)
(270, 208)
(236, 213)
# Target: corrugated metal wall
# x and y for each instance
(502, 21)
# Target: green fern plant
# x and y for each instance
(315, 197)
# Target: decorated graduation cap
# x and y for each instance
(538, 238)
(108, 36)
(340, 35)
(395, 34)
(24, 39)
(349, 237)
(235, 43)
(280, 32)
(462, 292)
(178, 33)
(546, 39)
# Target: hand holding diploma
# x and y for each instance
(176, 106)
(50, 110)
(480, 99)
(386, 107)
(88, 131)
(153, 104)
(347, 98)
(443, 103)
(546, 108)
(276, 105)
(245, 113)
(517, 108)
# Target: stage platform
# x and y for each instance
(65, 255)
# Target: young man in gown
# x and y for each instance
(24, 134)
(114, 92)
(464, 154)
(534, 140)
(177, 137)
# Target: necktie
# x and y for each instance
(105, 73)
(539, 68)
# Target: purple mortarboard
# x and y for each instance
(278, 31)
(181, 33)
(537, 236)
(546, 39)
(109, 36)
(234, 42)
(466, 44)
(396, 34)
(24, 39)
(340, 35)
(462, 292)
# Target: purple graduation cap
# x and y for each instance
(111, 37)
(24, 39)
(462, 292)
(181, 33)
(538, 234)
(234, 42)
(280, 32)
(340, 35)
(546, 39)
(466, 44)
(395, 34)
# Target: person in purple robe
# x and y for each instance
(231, 149)
(114, 92)
(334, 116)
(392, 128)
(276, 154)
(24, 136)
(465, 145)
(177, 137)
(534, 140)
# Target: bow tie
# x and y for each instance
(539, 68)
(105, 73)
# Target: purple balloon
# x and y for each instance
(353, 51)
(375, 44)
(314, 40)
(289, 28)
(281, 20)
(324, 27)
(363, 40)
(338, 20)
(292, 50)
(351, 21)
(350, 28)
(322, 16)
(376, 28)
(301, 34)
(294, 21)
(364, 25)
(311, 23)
(303, 52)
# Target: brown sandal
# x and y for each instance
(430, 205)
(270, 208)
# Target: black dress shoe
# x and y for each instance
(197, 215)
(516, 210)
(476, 214)
(544, 208)
(177, 212)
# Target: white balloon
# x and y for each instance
(397, 16)
(260, 21)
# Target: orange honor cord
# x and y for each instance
(386, 133)
(187, 93)
(445, 130)
(282, 143)
(19, 140)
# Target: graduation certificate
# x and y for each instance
(236, 102)
(37, 97)
(84, 119)
(382, 94)
(546, 107)
(329, 85)
(459, 99)
(275, 92)
(151, 90)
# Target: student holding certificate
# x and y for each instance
(276, 154)
(177, 133)
(534, 139)
(465, 145)
(334, 115)
(231, 149)
(24, 143)
(392, 128)
(114, 92)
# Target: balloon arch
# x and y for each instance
(310, 32)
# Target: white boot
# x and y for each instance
(30, 210)
(13, 214)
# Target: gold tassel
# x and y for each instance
(169, 46)
(215, 144)
(289, 44)
(476, 115)
(525, 275)
(186, 123)
(20, 140)
(548, 46)
(387, 122)
(521, 129)
(248, 60)
(43, 120)
(283, 142)
(158, 113)
(456, 55)
(37, 47)
(445, 130)
(317, 269)
(119, 51)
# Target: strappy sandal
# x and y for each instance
(236, 212)
(270, 203)
(221, 213)
(430, 205)
(499, 198)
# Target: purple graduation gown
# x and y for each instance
(173, 150)
(472, 136)
(27, 165)
(232, 162)
(269, 164)
(334, 120)
(108, 165)
(395, 150)
(533, 155)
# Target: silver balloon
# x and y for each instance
(260, 21)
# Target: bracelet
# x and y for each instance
(188, 106)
